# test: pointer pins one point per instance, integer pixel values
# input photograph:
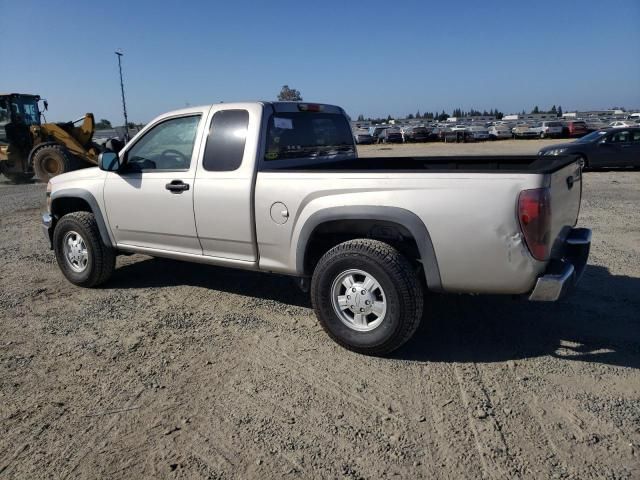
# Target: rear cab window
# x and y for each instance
(308, 136)
(226, 141)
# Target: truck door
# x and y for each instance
(223, 194)
(149, 203)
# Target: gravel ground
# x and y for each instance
(175, 370)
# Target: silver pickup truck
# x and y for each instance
(278, 187)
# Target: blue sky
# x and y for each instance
(374, 58)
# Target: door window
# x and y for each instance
(636, 136)
(167, 146)
(620, 137)
(227, 138)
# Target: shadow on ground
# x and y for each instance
(599, 322)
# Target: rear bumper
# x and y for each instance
(47, 228)
(562, 275)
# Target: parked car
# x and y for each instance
(622, 123)
(362, 137)
(478, 133)
(575, 128)
(376, 131)
(609, 147)
(290, 196)
(524, 130)
(390, 135)
(416, 134)
(548, 129)
(497, 132)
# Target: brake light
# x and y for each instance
(534, 215)
(310, 107)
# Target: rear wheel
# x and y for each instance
(52, 160)
(367, 296)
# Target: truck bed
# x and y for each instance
(440, 164)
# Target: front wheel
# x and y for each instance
(52, 160)
(82, 256)
(367, 296)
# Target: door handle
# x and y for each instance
(177, 186)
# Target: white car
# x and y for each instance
(548, 129)
(621, 124)
(497, 132)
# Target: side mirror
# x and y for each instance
(109, 161)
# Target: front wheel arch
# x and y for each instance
(72, 200)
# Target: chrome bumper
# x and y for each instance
(562, 275)
(47, 228)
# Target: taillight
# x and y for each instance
(534, 215)
(310, 107)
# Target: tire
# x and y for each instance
(86, 262)
(52, 160)
(542, 135)
(396, 292)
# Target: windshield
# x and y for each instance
(591, 136)
(20, 109)
(308, 135)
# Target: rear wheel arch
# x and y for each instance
(73, 200)
(396, 226)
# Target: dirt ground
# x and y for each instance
(176, 370)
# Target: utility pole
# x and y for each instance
(124, 104)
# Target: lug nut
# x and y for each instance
(363, 292)
(348, 297)
(353, 290)
(367, 302)
(362, 309)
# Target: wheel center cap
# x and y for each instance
(360, 300)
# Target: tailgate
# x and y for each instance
(566, 192)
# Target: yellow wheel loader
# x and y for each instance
(29, 147)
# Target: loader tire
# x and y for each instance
(52, 160)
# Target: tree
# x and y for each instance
(360, 118)
(103, 124)
(535, 110)
(418, 114)
(559, 111)
(389, 118)
(410, 116)
(553, 110)
(289, 94)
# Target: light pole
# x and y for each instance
(124, 104)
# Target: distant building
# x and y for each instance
(535, 117)
(596, 113)
(476, 118)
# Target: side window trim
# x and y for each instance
(125, 158)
